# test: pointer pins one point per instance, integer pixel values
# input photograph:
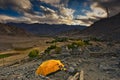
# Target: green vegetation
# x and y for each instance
(50, 48)
(7, 55)
(95, 39)
(72, 46)
(33, 54)
(21, 49)
(58, 40)
(61, 39)
(4, 55)
(53, 47)
(78, 43)
(110, 44)
(58, 50)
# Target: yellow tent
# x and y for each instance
(49, 66)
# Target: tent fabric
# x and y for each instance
(48, 67)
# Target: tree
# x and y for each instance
(33, 53)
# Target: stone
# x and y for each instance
(66, 54)
(95, 48)
(71, 70)
(74, 65)
(106, 68)
(53, 55)
(80, 61)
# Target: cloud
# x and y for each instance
(6, 19)
(66, 12)
(92, 15)
(112, 5)
(63, 16)
(56, 3)
(47, 10)
(59, 11)
(97, 11)
(18, 5)
(52, 2)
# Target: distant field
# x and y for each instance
(16, 48)
(7, 55)
(10, 43)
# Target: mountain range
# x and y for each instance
(108, 28)
(46, 29)
(7, 30)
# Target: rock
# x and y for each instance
(80, 61)
(95, 48)
(53, 55)
(76, 52)
(119, 65)
(71, 70)
(65, 54)
(64, 49)
(102, 67)
(106, 68)
(113, 79)
(74, 65)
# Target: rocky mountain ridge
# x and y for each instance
(12, 31)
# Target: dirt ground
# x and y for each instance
(20, 45)
(100, 61)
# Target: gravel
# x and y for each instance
(103, 68)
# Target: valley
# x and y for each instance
(20, 46)
(99, 60)
(94, 50)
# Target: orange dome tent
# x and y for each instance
(49, 66)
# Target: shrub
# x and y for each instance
(33, 53)
(87, 42)
(78, 43)
(72, 46)
(47, 51)
(58, 40)
(95, 39)
(61, 39)
(50, 48)
(53, 47)
(4, 55)
(58, 50)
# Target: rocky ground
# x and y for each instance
(99, 62)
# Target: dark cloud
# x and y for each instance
(113, 6)
(18, 5)
(71, 12)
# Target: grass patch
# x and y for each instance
(7, 55)
(22, 49)
(78, 43)
(50, 48)
(33, 54)
(58, 40)
(56, 49)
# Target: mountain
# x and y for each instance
(108, 28)
(12, 30)
(47, 29)
(70, 33)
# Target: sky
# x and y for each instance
(70, 12)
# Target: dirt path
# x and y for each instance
(23, 54)
(17, 58)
